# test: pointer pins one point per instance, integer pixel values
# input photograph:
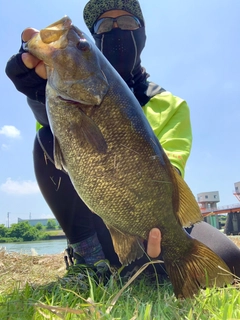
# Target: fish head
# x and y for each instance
(72, 61)
(54, 37)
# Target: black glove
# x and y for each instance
(25, 80)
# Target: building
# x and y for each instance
(33, 222)
(237, 190)
(208, 201)
(232, 225)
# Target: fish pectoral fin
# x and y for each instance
(92, 134)
(58, 156)
(188, 211)
(199, 268)
(128, 247)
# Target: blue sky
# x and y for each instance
(192, 50)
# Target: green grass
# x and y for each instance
(32, 288)
(142, 299)
(56, 232)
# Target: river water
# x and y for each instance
(36, 247)
(47, 246)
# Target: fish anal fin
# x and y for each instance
(188, 210)
(200, 268)
(58, 156)
(127, 247)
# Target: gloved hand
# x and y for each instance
(27, 72)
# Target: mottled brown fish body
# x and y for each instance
(115, 162)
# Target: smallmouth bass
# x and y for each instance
(104, 142)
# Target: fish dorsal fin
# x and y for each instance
(127, 247)
(188, 210)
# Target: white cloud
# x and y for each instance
(19, 187)
(10, 132)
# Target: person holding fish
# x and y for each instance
(118, 28)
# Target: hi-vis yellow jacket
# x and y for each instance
(169, 117)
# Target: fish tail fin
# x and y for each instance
(200, 268)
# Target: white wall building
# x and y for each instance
(208, 200)
(236, 191)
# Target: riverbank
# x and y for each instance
(34, 287)
(57, 236)
(33, 269)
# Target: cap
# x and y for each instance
(95, 8)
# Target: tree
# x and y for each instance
(51, 224)
(31, 234)
(17, 230)
(39, 226)
(3, 231)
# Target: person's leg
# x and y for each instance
(75, 218)
(106, 241)
(219, 243)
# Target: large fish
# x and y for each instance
(115, 162)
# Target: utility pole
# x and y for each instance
(8, 219)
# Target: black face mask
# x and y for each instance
(123, 48)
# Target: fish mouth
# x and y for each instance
(63, 24)
(56, 30)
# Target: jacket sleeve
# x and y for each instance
(31, 85)
(169, 117)
(25, 80)
(39, 111)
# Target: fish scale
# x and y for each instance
(115, 162)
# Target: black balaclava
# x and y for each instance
(123, 48)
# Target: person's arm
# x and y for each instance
(28, 74)
(169, 117)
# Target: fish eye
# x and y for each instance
(83, 45)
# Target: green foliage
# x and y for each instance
(142, 300)
(31, 234)
(39, 226)
(51, 224)
(22, 231)
(7, 240)
(43, 236)
(19, 229)
(3, 230)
